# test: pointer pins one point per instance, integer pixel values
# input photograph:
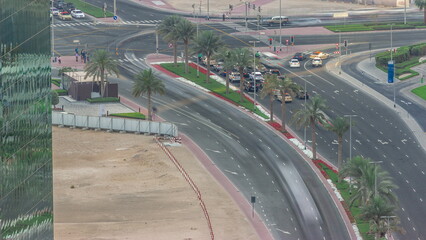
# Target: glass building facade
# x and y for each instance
(26, 203)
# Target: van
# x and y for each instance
(276, 20)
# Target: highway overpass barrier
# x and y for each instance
(114, 124)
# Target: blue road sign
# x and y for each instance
(115, 17)
(391, 71)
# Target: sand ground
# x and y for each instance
(123, 186)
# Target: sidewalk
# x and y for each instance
(68, 61)
(215, 9)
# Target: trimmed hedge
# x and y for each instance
(56, 82)
(103, 99)
(135, 115)
(61, 92)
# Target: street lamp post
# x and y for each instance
(304, 131)
(208, 10)
(198, 59)
(375, 176)
(53, 35)
(350, 145)
(391, 39)
(281, 23)
(254, 72)
(388, 217)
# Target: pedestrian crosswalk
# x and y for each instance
(62, 24)
(123, 60)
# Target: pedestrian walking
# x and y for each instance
(81, 55)
(76, 50)
(76, 57)
(59, 59)
(87, 56)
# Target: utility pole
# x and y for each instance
(115, 8)
(281, 23)
(246, 16)
(53, 34)
(375, 176)
(198, 59)
(254, 72)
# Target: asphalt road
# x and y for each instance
(250, 155)
(380, 134)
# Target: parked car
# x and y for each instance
(249, 85)
(218, 67)
(261, 68)
(235, 77)
(59, 4)
(276, 20)
(276, 72)
(317, 62)
(300, 56)
(54, 11)
(288, 98)
(294, 63)
(66, 16)
(77, 14)
(301, 94)
(69, 7)
(279, 97)
(257, 76)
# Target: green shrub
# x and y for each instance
(56, 82)
(103, 99)
(418, 50)
(61, 92)
(55, 97)
(136, 115)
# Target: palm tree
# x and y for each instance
(208, 44)
(285, 85)
(101, 64)
(185, 31)
(366, 176)
(269, 89)
(374, 211)
(147, 83)
(310, 116)
(421, 4)
(242, 58)
(168, 29)
(339, 126)
(226, 55)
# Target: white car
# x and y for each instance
(317, 62)
(256, 75)
(54, 11)
(294, 63)
(77, 14)
(235, 77)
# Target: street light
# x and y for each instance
(198, 59)
(391, 42)
(281, 23)
(254, 72)
(350, 145)
(306, 94)
(375, 176)
(387, 217)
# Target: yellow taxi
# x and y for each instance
(66, 16)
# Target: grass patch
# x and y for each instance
(103, 99)
(404, 68)
(374, 26)
(213, 86)
(135, 115)
(90, 9)
(61, 92)
(56, 81)
(420, 91)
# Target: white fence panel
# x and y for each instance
(114, 124)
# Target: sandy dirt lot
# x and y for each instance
(123, 186)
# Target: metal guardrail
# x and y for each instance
(114, 124)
